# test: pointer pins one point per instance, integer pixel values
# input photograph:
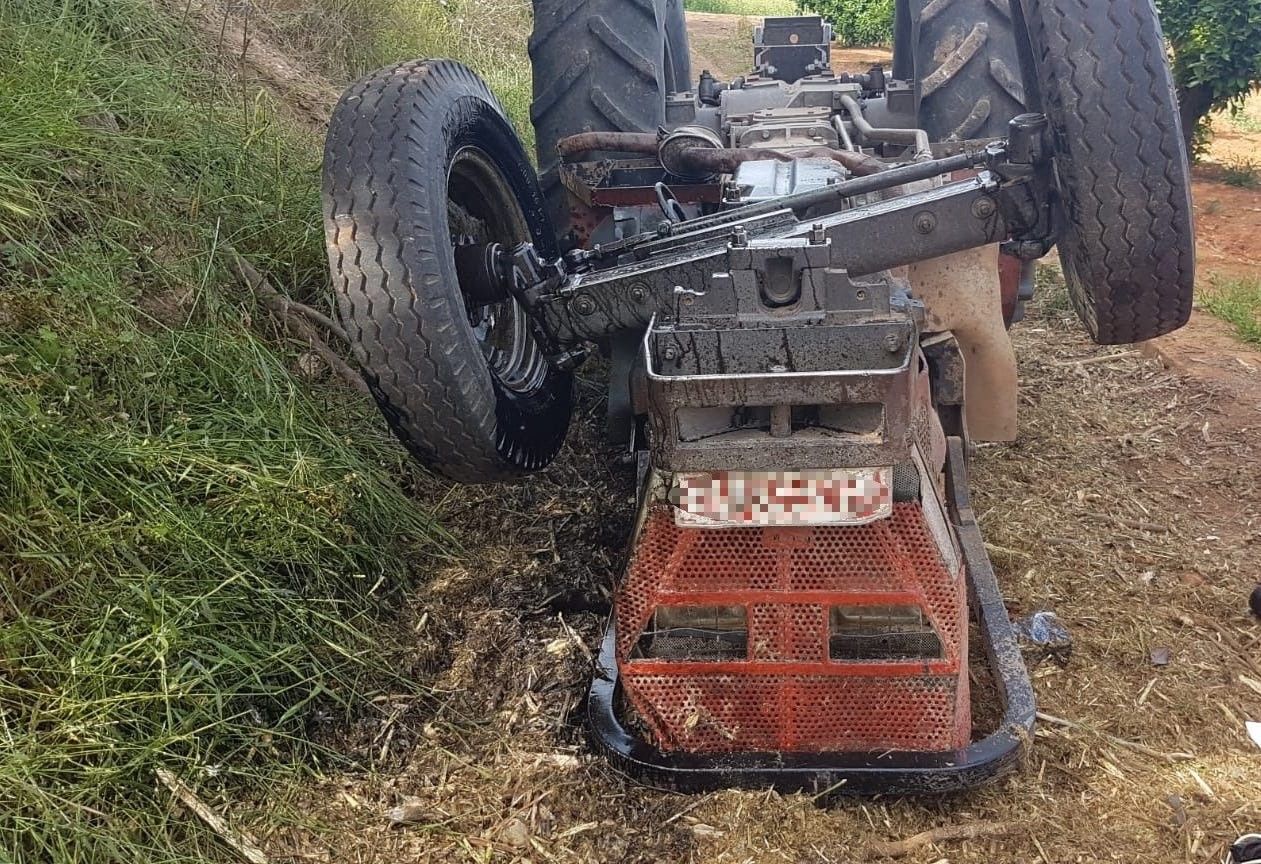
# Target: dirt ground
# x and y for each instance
(1130, 506)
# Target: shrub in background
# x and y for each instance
(1216, 56)
(856, 22)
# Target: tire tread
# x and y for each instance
(410, 341)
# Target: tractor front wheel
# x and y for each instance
(421, 158)
(1127, 239)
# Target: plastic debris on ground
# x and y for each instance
(1043, 637)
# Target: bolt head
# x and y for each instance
(925, 222)
(983, 208)
(583, 304)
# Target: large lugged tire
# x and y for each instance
(678, 57)
(964, 54)
(420, 156)
(1128, 240)
(599, 65)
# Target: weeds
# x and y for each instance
(1243, 173)
(195, 553)
(346, 39)
(1246, 122)
(1237, 301)
(762, 8)
(1053, 303)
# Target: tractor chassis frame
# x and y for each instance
(596, 294)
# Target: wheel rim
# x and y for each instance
(481, 208)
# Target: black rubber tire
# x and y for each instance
(391, 141)
(1127, 241)
(678, 57)
(599, 65)
(964, 55)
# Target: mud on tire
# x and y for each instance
(1128, 239)
(419, 155)
(964, 54)
(601, 65)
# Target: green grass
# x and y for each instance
(198, 550)
(1246, 122)
(1237, 301)
(346, 39)
(1243, 173)
(761, 8)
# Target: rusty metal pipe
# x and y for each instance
(709, 159)
(616, 142)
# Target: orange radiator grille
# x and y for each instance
(794, 639)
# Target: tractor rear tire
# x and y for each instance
(601, 66)
(678, 53)
(964, 54)
(1127, 240)
(420, 156)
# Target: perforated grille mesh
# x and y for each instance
(787, 694)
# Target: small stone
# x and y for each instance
(104, 121)
(705, 832)
(1179, 810)
(309, 365)
(1191, 578)
(1160, 656)
(411, 811)
(515, 834)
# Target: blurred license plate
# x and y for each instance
(728, 499)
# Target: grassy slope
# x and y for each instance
(195, 548)
(345, 39)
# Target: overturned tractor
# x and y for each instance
(802, 279)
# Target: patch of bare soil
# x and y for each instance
(1237, 136)
(723, 44)
(860, 59)
(1208, 349)
(1228, 224)
(1130, 506)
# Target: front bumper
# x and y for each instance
(826, 774)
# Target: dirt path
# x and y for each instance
(1228, 224)
(249, 56)
(723, 44)
(1130, 506)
